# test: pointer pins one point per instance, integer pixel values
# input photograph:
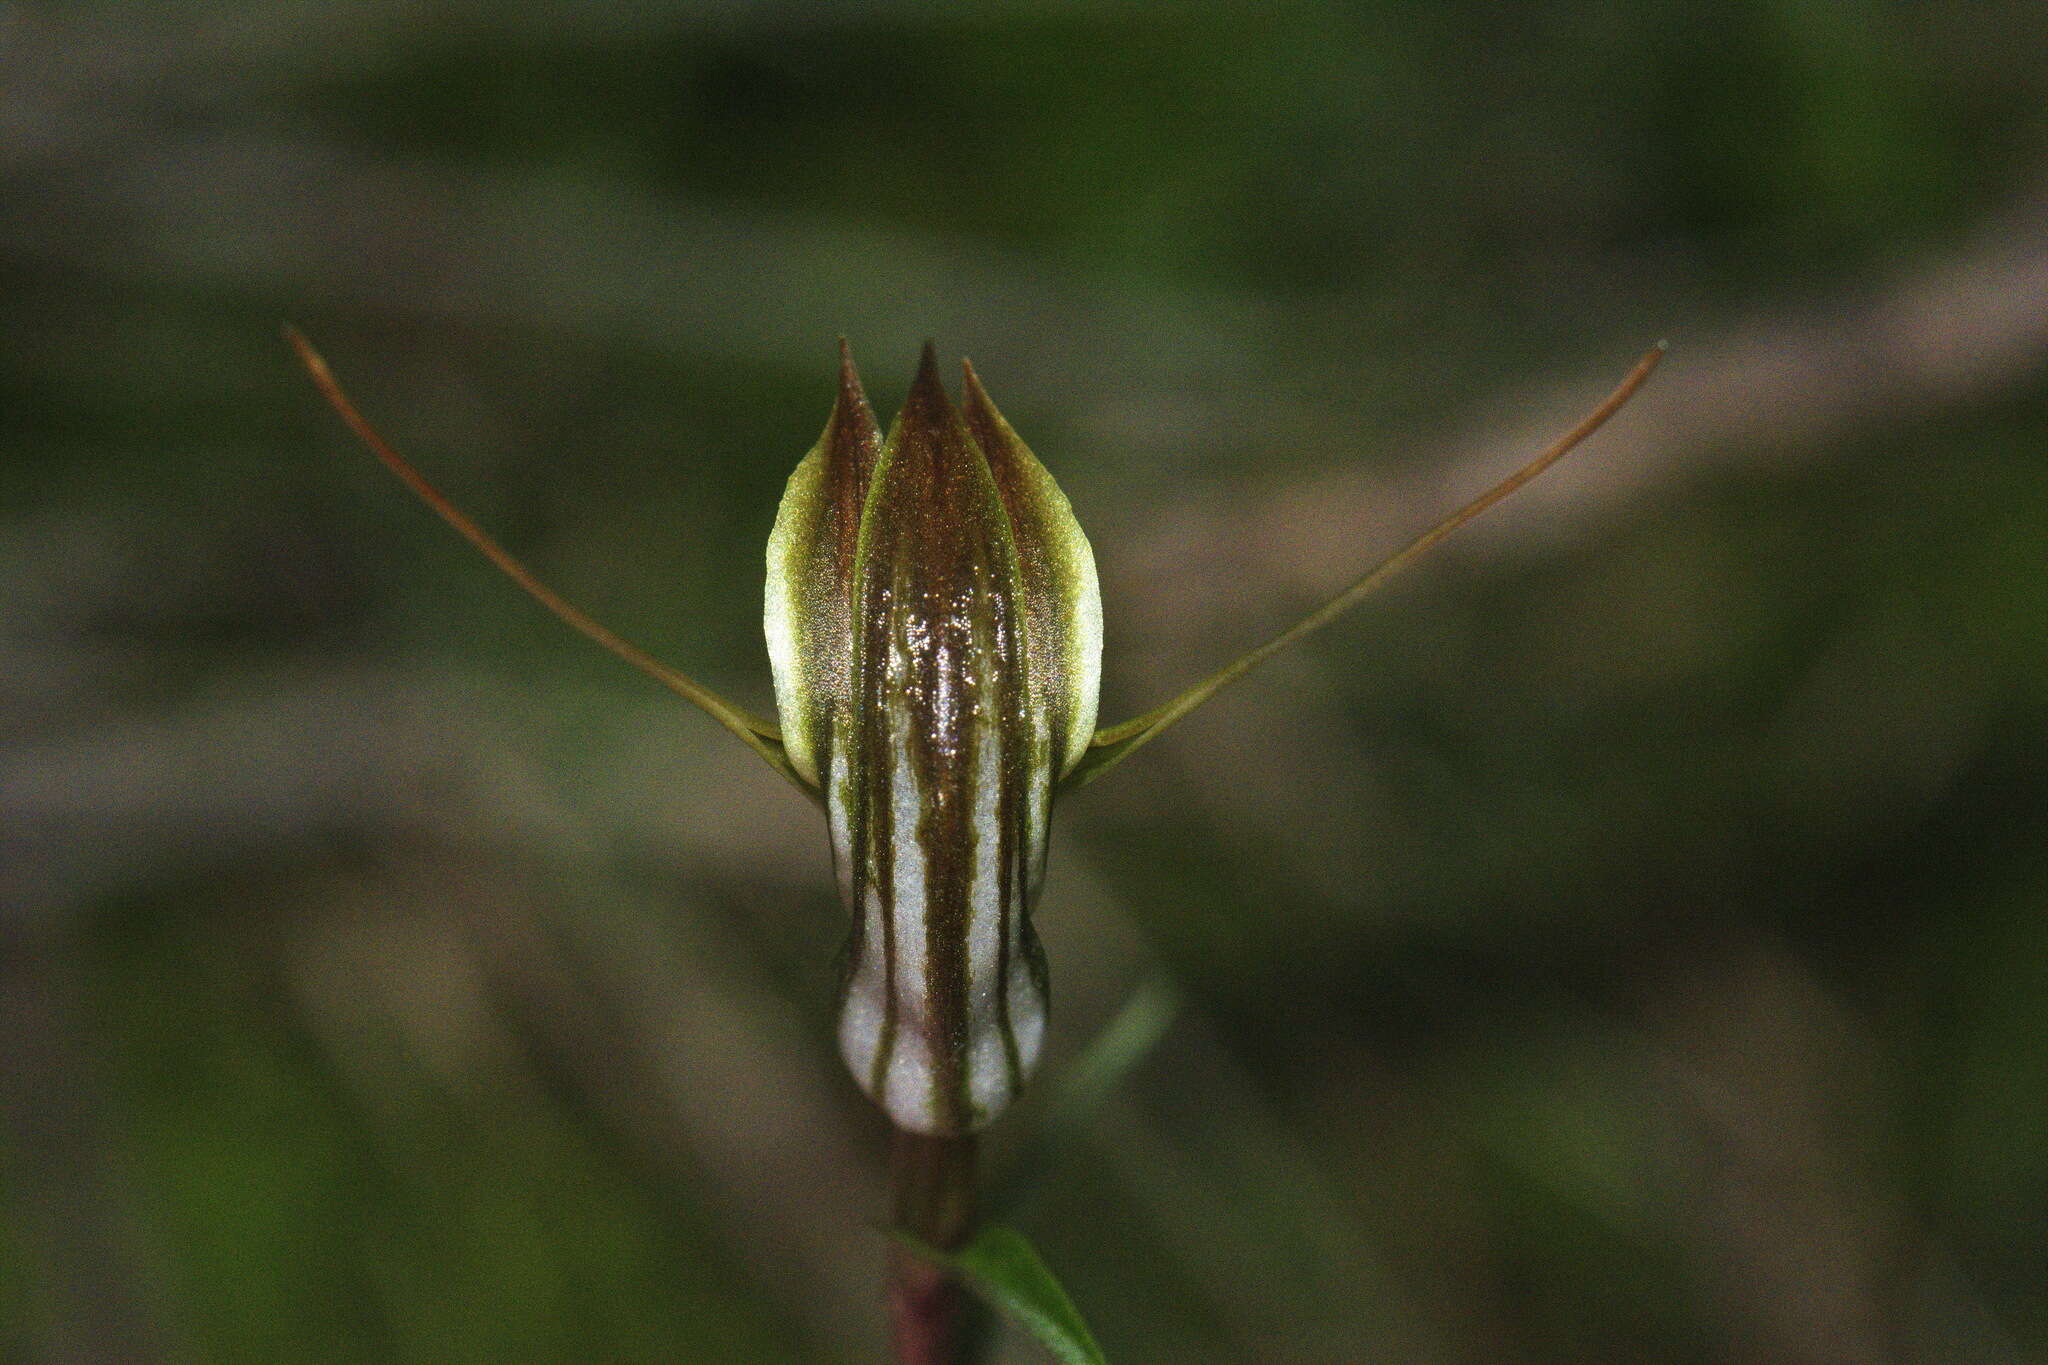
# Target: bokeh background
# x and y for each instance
(1626, 940)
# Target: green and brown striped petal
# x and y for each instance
(937, 720)
(810, 573)
(1063, 601)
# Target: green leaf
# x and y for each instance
(1080, 1091)
(1114, 1052)
(1001, 1266)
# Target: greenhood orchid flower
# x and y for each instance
(935, 632)
(936, 636)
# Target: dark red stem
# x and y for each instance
(932, 1320)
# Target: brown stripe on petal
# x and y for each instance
(948, 754)
(1056, 578)
(853, 442)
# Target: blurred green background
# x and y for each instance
(1626, 940)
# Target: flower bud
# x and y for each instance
(935, 630)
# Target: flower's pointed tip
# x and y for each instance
(972, 394)
(928, 396)
(850, 390)
(928, 366)
(980, 410)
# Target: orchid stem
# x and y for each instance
(933, 1320)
